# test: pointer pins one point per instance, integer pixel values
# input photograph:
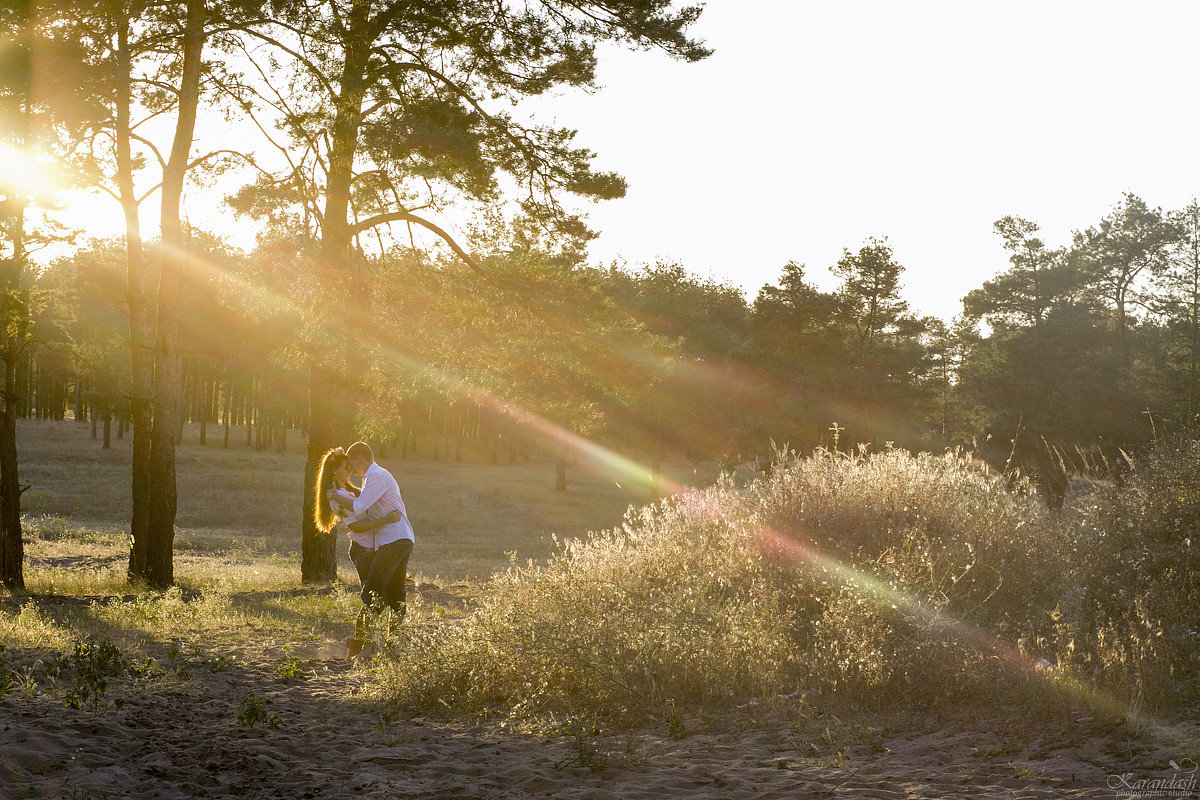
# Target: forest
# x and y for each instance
(1090, 348)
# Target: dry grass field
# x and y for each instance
(468, 516)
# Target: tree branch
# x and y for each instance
(309, 66)
(162, 162)
(405, 216)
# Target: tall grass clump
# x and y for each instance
(927, 575)
(1131, 614)
(868, 575)
(675, 604)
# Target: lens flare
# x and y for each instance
(24, 173)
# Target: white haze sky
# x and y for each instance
(818, 124)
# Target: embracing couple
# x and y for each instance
(381, 537)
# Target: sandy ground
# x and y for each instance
(178, 737)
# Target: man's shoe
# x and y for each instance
(364, 655)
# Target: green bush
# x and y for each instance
(95, 663)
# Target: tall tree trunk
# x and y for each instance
(326, 416)
(140, 359)
(250, 415)
(202, 406)
(159, 570)
(318, 562)
(228, 409)
(1123, 333)
(16, 325)
(12, 548)
(183, 405)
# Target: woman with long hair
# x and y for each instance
(333, 478)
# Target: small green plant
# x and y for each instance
(292, 669)
(253, 711)
(584, 749)
(95, 664)
(148, 668)
(676, 728)
(218, 663)
(996, 752)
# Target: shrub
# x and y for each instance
(95, 663)
(919, 568)
(1136, 579)
(872, 577)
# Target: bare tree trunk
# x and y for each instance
(181, 399)
(318, 560)
(203, 401)
(326, 416)
(140, 358)
(228, 410)
(12, 548)
(159, 565)
(16, 325)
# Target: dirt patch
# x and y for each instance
(312, 737)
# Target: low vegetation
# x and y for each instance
(870, 578)
(875, 579)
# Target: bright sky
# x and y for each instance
(818, 124)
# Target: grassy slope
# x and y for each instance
(467, 515)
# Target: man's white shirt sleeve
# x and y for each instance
(371, 492)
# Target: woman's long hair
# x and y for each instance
(330, 463)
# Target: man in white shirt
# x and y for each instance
(393, 542)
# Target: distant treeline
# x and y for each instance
(1094, 345)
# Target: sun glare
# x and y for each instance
(27, 174)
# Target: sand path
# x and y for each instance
(179, 738)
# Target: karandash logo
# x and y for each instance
(1182, 782)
